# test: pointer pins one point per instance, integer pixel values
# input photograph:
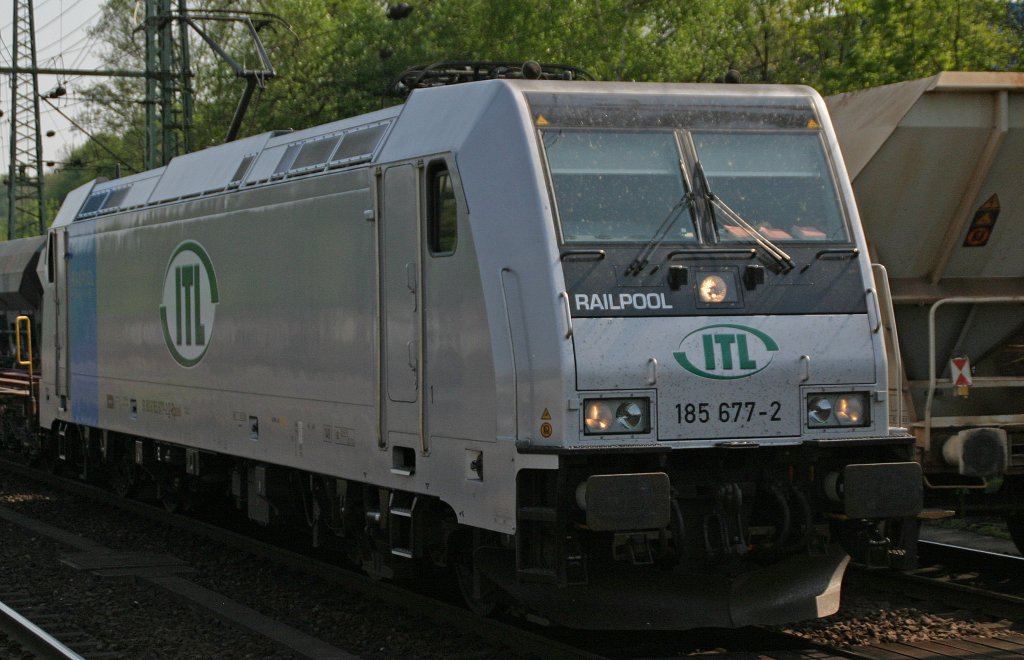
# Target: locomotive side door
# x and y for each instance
(401, 309)
(59, 257)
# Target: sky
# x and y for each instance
(62, 41)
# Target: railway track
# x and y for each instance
(507, 635)
(519, 636)
(752, 641)
(962, 577)
(30, 638)
(536, 641)
(933, 553)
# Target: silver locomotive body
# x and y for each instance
(610, 349)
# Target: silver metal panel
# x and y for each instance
(458, 370)
(294, 340)
(521, 275)
(265, 164)
(287, 298)
(290, 333)
(142, 189)
(513, 237)
(809, 353)
(206, 170)
(60, 307)
(400, 251)
(72, 203)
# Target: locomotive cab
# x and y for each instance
(726, 414)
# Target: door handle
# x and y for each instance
(413, 357)
(871, 293)
(805, 362)
(410, 276)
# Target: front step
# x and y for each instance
(402, 524)
(546, 549)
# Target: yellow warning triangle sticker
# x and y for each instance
(546, 415)
(813, 124)
(542, 120)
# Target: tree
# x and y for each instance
(340, 57)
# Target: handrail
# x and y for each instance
(564, 297)
(838, 253)
(932, 375)
(714, 253)
(582, 255)
(28, 361)
(878, 324)
(882, 282)
(17, 341)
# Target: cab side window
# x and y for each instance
(442, 219)
(51, 255)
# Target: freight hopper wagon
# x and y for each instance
(20, 295)
(611, 351)
(936, 167)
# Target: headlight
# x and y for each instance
(713, 289)
(599, 416)
(616, 416)
(629, 415)
(819, 410)
(850, 409)
(836, 409)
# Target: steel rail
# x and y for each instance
(31, 637)
(921, 585)
(955, 556)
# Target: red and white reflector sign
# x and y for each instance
(960, 369)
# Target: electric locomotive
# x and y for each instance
(608, 350)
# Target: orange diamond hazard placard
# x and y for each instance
(960, 372)
(983, 223)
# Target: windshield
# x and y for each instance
(621, 166)
(615, 186)
(780, 183)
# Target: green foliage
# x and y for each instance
(330, 64)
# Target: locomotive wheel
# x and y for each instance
(173, 496)
(171, 502)
(490, 596)
(1015, 525)
(48, 459)
(122, 476)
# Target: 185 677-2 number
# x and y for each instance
(727, 412)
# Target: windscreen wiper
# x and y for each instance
(685, 203)
(778, 255)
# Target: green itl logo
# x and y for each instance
(189, 303)
(726, 351)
